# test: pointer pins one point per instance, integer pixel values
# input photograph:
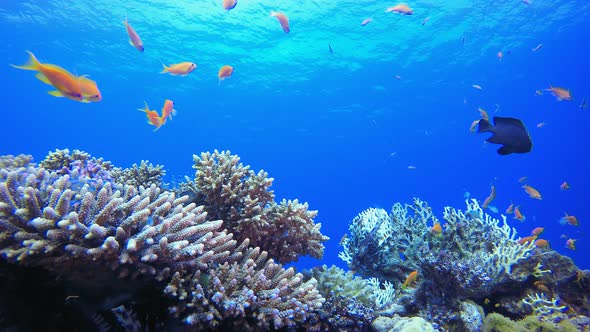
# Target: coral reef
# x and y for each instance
(145, 174)
(11, 162)
(242, 198)
(349, 299)
(109, 242)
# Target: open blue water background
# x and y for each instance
(336, 130)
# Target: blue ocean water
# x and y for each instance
(337, 130)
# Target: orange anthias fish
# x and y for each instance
(560, 93)
(283, 20)
(483, 113)
(229, 4)
(473, 126)
(537, 231)
(542, 243)
(571, 244)
(564, 186)
(168, 110)
(518, 215)
(436, 229)
(410, 279)
(401, 8)
(490, 198)
(134, 39)
(510, 209)
(67, 85)
(533, 193)
(225, 72)
(567, 219)
(90, 92)
(527, 239)
(183, 68)
(153, 117)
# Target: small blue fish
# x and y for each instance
(493, 209)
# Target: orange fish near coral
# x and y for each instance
(560, 93)
(229, 4)
(153, 117)
(537, 231)
(134, 39)
(571, 244)
(533, 193)
(182, 69)
(540, 286)
(490, 198)
(567, 219)
(283, 20)
(225, 72)
(410, 279)
(67, 85)
(510, 209)
(564, 186)
(542, 243)
(518, 215)
(527, 239)
(436, 229)
(401, 8)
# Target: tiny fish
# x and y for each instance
(500, 55)
(571, 244)
(398, 77)
(410, 279)
(411, 167)
(426, 20)
(510, 209)
(541, 124)
(564, 186)
(560, 93)
(536, 48)
(518, 215)
(225, 72)
(583, 104)
(330, 48)
(229, 4)
(283, 20)
(490, 198)
(533, 193)
(366, 21)
(493, 209)
(134, 39)
(567, 219)
(537, 231)
(477, 86)
(401, 8)
(538, 92)
(522, 179)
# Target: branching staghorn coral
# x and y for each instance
(241, 198)
(11, 162)
(101, 232)
(47, 223)
(228, 296)
(145, 174)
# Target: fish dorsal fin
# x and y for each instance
(508, 121)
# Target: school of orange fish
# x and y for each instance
(83, 89)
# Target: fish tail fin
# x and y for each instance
(484, 126)
(165, 70)
(146, 109)
(31, 64)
